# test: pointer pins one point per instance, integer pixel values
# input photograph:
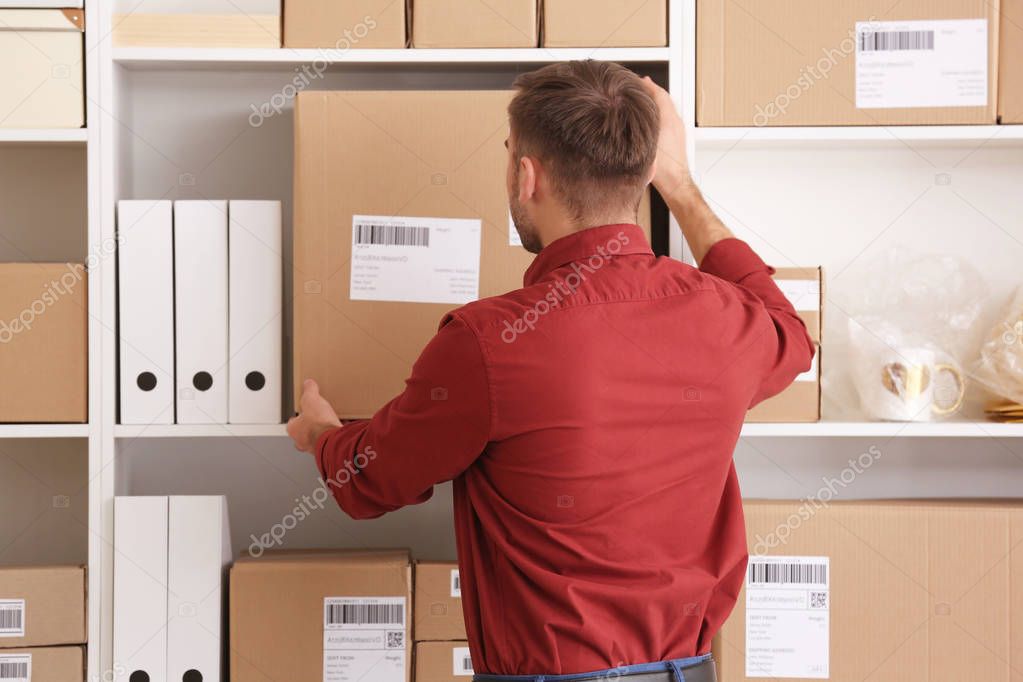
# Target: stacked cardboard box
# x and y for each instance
(210, 23)
(878, 590)
(43, 339)
(801, 401)
(476, 23)
(337, 27)
(42, 623)
(401, 214)
(862, 62)
(321, 615)
(605, 23)
(442, 654)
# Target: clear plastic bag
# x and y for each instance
(1000, 367)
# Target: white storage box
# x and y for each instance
(41, 81)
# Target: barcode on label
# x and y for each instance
(462, 661)
(12, 618)
(456, 583)
(392, 235)
(16, 667)
(882, 41)
(365, 614)
(787, 574)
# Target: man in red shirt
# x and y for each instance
(588, 419)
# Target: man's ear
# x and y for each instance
(527, 179)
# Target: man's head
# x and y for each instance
(581, 151)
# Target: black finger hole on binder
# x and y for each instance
(146, 382)
(202, 381)
(191, 676)
(255, 381)
(139, 676)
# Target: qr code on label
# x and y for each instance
(396, 640)
(818, 600)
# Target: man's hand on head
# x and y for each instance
(315, 417)
(671, 173)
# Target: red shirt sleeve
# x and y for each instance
(429, 434)
(790, 349)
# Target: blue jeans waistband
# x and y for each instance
(611, 674)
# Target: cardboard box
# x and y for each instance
(293, 614)
(46, 90)
(337, 26)
(42, 606)
(48, 664)
(210, 23)
(922, 590)
(43, 342)
(605, 23)
(1010, 63)
(397, 164)
(443, 662)
(801, 401)
(438, 597)
(786, 62)
(475, 23)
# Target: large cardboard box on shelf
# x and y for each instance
(801, 401)
(1010, 63)
(443, 662)
(337, 26)
(605, 23)
(319, 615)
(475, 23)
(438, 597)
(43, 342)
(42, 606)
(49, 664)
(862, 62)
(47, 89)
(418, 180)
(197, 23)
(887, 590)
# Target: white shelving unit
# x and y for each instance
(173, 123)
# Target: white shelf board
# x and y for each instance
(43, 135)
(44, 431)
(959, 134)
(951, 429)
(254, 58)
(200, 431)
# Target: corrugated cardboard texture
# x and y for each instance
(54, 604)
(801, 401)
(43, 339)
(438, 614)
(435, 662)
(276, 606)
(605, 23)
(921, 591)
(55, 664)
(344, 24)
(475, 23)
(1010, 63)
(424, 154)
(750, 52)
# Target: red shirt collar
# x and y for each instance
(602, 242)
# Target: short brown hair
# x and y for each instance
(593, 126)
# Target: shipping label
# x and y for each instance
(415, 260)
(12, 618)
(906, 64)
(788, 617)
(364, 639)
(456, 584)
(15, 667)
(462, 662)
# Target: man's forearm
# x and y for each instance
(700, 226)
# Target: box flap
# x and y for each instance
(42, 20)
